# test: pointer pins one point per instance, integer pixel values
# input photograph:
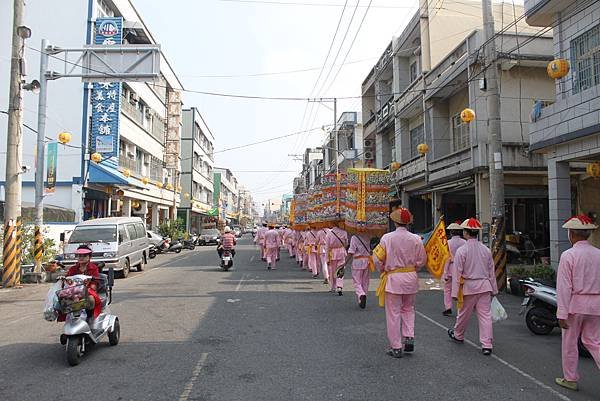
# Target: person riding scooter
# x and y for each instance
(228, 242)
(86, 267)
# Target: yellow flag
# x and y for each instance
(437, 250)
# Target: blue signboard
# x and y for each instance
(51, 161)
(106, 96)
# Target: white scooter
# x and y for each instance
(81, 331)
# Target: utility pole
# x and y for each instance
(334, 130)
(38, 249)
(12, 206)
(496, 172)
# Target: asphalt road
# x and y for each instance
(192, 332)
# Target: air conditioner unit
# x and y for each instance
(148, 113)
(369, 143)
(369, 155)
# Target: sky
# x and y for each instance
(245, 37)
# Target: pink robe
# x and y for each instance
(578, 298)
(272, 246)
(310, 245)
(322, 247)
(473, 262)
(360, 250)
(336, 241)
(402, 249)
(259, 239)
(453, 243)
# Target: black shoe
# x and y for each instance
(269, 267)
(409, 345)
(315, 276)
(325, 281)
(452, 337)
(447, 312)
(396, 353)
(363, 301)
(486, 351)
(339, 291)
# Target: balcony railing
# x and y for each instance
(128, 163)
(133, 112)
(386, 112)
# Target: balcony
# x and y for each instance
(450, 165)
(128, 163)
(409, 96)
(386, 114)
(411, 171)
(132, 112)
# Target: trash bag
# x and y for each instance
(51, 303)
(498, 312)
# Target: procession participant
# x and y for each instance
(271, 245)
(398, 256)
(288, 239)
(362, 266)
(310, 244)
(259, 239)
(323, 253)
(455, 242)
(473, 286)
(578, 298)
(336, 241)
(305, 254)
(299, 246)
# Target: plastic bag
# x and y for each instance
(498, 312)
(51, 303)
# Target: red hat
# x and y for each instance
(402, 216)
(580, 222)
(471, 224)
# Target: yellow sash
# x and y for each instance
(330, 255)
(383, 281)
(460, 298)
(371, 262)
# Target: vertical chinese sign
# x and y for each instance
(172, 142)
(106, 96)
(51, 159)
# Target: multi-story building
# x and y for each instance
(349, 144)
(415, 94)
(312, 170)
(197, 162)
(228, 195)
(246, 210)
(567, 129)
(139, 173)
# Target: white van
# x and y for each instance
(119, 242)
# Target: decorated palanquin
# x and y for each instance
(299, 212)
(367, 201)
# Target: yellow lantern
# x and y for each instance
(136, 205)
(467, 115)
(558, 68)
(145, 180)
(179, 188)
(126, 172)
(96, 157)
(169, 186)
(186, 195)
(394, 166)
(422, 148)
(64, 138)
(159, 184)
(593, 169)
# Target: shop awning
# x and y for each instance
(107, 172)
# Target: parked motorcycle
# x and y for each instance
(226, 260)
(173, 246)
(153, 251)
(189, 244)
(69, 297)
(541, 304)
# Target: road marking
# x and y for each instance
(502, 361)
(252, 259)
(185, 396)
(237, 288)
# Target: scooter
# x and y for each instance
(189, 244)
(174, 246)
(80, 331)
(226, 260)
(153, 251)
(541, 305)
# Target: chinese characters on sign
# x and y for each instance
(51, 159)
(437, 250)
(106, 96)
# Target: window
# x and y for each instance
(460, 133)
(585, 60)
(414, 72)
(131, 231)
(122, 235)
(140, 230)
(417, 136)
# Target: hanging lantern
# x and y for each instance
(179, 188)
(159, 184)
(126, 172)
(96, 157)
(467, 115)
(186, 195)
(593, 169)
(169, 187)
(422, 148)
(558, 68)
(136, 205)
(64, 138)
(145, 180)
(394, 166)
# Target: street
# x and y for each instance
(192, 332)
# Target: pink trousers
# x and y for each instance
(335, 282)
(399, 317)
(299, 254)
(263, 251)
(481, 303)
(324, 267)
(313, 262)
(360, 279)
(448, 294)
(290, 249)
(588, 327)
(272, 256)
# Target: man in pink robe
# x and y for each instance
(362, 263)
(272, 242)
(288, 239)
(310, 244)
(474, 282)
(578, 298)
(299, 247)
(323, 253)
(259, 239)
(336, 241)
(455, 242)
(398, 256)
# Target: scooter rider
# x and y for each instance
(228, 242)
(86, 267)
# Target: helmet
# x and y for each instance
(227, 229)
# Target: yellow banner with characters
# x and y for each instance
(437, 250)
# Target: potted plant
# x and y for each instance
(516, 273)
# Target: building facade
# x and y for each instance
(349, 144)
(567, 129)
(228, 195)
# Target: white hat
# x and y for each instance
(227, 229)
(454, 226)
(580, 222)
(471, 224)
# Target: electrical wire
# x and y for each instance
(295, 3)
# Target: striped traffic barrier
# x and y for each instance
(38, 248)
(11, 256)
(498, 234)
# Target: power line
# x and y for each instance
(296, 3)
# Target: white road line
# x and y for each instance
(237, 288)
(190, 384)
(252, 259)
(502, 361)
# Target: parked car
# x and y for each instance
(210, 236)
(237, 231)
(154, 238)
(119, 242)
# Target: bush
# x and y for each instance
(171, 229)
(50, 249)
